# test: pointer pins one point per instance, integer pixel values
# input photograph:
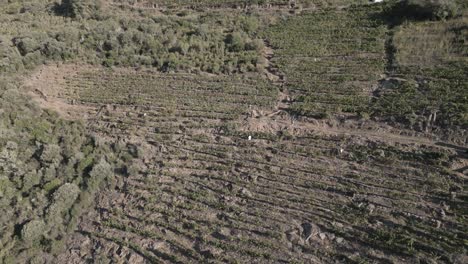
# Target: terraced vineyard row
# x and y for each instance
(332, 59)
(156, 104)
(431, 92)
(199, 189)
(238, 3)
(223, 198)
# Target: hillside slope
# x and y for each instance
(231, 132)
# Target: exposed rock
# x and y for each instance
(322, 236)
(309, 230)
(245, 192)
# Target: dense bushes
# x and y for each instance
(32, 231)
(35, 48)
(216, 43)
(176, 45)
(46, 164)
(63, 199)
(49, 171)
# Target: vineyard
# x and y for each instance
(431, 61)
(232, 131)
(197, 189)
(332, 59)
(276, 200)
(152, 103)
(354, 63)
(237, 3)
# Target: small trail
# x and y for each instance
(271, 70)
(278, 78)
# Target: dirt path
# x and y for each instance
(278, 78)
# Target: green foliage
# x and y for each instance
(27, 45)
(440, 102)
(40, 157)
(240, 3)
(30, 179)
(170, 43)
(33, 230)
(236, 42)
(63, 199)
(52, 185)
(51, 153)
(100, 172)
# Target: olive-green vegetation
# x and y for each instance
(50, 170)
(209, 42)
(44, 173)
(429, 9)
(79, 9)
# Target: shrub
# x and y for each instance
(54, 50)
(30, 179)
(249, 24)
(236, 42)
(100, 171)
(51, 154)
(256, 44)
(26, 45)
(33, 230)
(64, 198)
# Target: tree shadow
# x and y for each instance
(396, 13)
(61, 9)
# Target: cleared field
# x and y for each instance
(198, 190)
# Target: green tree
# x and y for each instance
(236, 41)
